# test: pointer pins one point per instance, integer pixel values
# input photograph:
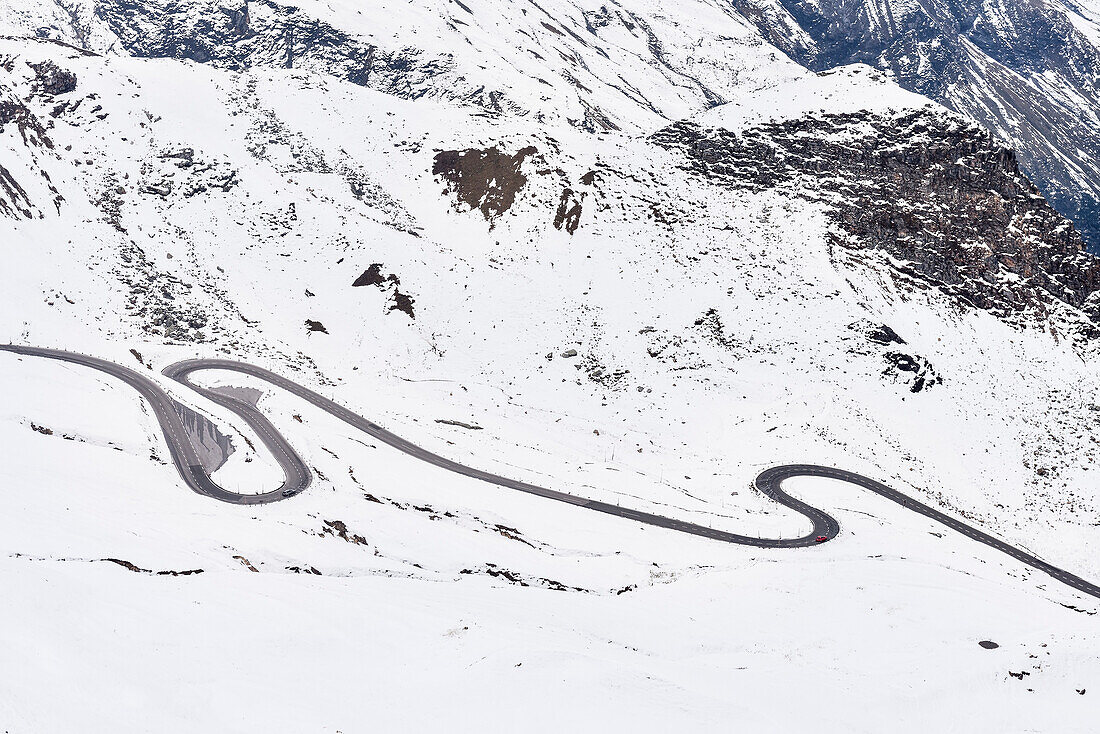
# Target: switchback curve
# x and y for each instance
(297, 474)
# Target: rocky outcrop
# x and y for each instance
(14, 202)
(387, 284)
(1025, 70)
(161, 302)
(943, 198)
(51, 80)
(486, 180)
(568, 215)
(915, 371)
(15, 112)
(264, 33)
(373, 276)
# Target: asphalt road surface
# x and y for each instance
(297, 474)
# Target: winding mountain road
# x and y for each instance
(298, 477)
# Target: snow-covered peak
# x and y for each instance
(1027, 71)
(844, 90)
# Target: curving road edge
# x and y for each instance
(298, 477)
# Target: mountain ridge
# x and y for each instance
(1029, 72)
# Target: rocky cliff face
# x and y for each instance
(252, 33)
(1030, 72)
(942, 198)
(43, 85)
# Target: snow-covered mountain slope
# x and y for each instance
(633, 68)
(1028, 71)
(819, 269)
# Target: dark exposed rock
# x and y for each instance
(514, 577)
(569, 211)
(186, 156)
(41, 37)
(14, 111)
(512, 534)
(340, 530)
(163, 188)
(14, 201)
(711, 324)
(138, 569)
(160, 300)
(51, 80)
(312, 325)
(943, 198)
(599, 373)
(373, 276)
(375, 195)
(239, 19)
(206, 31)
(917, 370)
(884, 335)
(183, 171)
(109, 201)
(1021, 68)
(486, 180)
(403, 303)
(460, 424)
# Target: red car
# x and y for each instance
(820, 539)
